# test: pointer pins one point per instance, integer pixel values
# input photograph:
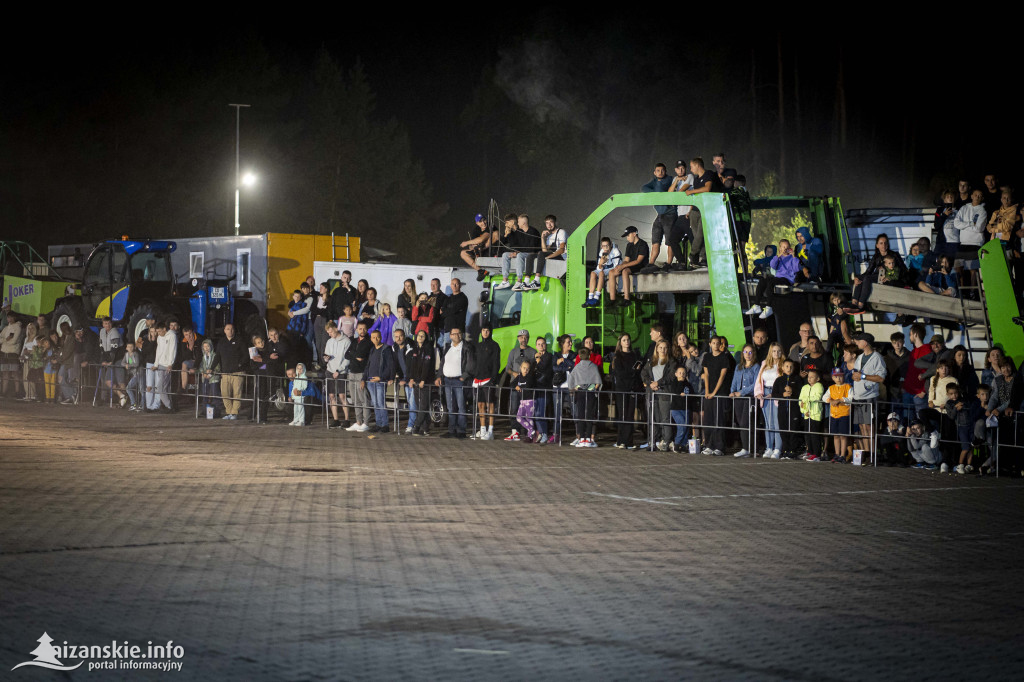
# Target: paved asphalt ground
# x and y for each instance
(279, 553)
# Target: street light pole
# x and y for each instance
(238, 121)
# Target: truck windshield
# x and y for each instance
(151, 267)
(505, 309)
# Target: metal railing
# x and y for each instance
(563, 409)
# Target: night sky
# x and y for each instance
(107, 132)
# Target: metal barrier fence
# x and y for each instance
(750, 419)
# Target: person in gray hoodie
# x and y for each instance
(923, 447)
(584, 382)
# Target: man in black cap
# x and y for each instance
(638, 254)
(868, 375)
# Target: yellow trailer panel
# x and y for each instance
(290, 260)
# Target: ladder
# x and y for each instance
(335, 246)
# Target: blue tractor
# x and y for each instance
(132, 280)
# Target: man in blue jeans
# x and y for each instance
(457, 366)
(401, 351)
(380, 371)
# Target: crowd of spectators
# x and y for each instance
(821, 399)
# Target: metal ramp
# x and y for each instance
(671, 282)
(917, 303)
(548, 267)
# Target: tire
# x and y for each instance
(137, 322)
(70, 311)
(250, 325)
(437, 411)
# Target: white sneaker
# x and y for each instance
(488, 435)
(944, 468)
(514, 436)
(718, 453)
(960, 469)
(767, 454)
(363, 428)
(662, 445)
(753, 310)
(354, 427)
(742, 453)
(766, 314)
(591, 443)
(969, 469)
(408, 430)
(575, 443)
(707, 451)
(581, 443)
(518, 286)
(503, 285)
(776, 454)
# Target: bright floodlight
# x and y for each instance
(249, 179)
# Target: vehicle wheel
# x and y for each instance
(250, 325)
(437, 411)
(137, 322)
(70, 312)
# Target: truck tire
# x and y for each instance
(137, 322)
(70, 311)
(250, 325)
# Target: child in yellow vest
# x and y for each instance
(838, 397)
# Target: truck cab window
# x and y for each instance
(505, 308)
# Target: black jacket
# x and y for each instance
(420, 363)
(488, 361)
(340, 297)
(401, 354)
(544, 370)
(234, 354)
(454, 310)
(623, 372)
(358, 354)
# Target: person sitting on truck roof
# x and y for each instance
(785, 266)
(552, 239)
(763, 264)
(637, 254)
(608, 258)
(523, 242)
(477, 246)
(862, 283)
(810, 250)
(941, 280)
(663, 221)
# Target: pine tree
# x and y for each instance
(46, 652)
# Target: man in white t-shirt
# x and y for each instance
(552, 239)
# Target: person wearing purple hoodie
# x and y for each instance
(785, 265)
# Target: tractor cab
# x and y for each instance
(122, 279)
(119, 270)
